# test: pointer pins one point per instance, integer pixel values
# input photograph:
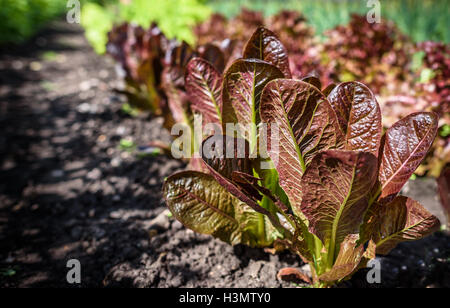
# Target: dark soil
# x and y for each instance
(68, 190)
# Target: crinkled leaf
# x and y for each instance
(201, 204)
(335, 187)
(359, 116)
(307, 125)
(265, 45)
(204, 86)
(348, 259)
(405, 146)
(242, 87)
(403, 219)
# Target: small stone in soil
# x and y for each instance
(57, 173)
(160, 222)
(115, 214)
(94, 174)
(115, 162)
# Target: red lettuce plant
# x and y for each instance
(154, 71)
(172, 81)
(226, 216)
(140, 54)
(375, 53)
(213, 29)
(349, 176)
(292, 30)
(430, 87)
(331, 196)
(192, 81)
(152, 64)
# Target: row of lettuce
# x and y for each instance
(330, 193)
(405, 76)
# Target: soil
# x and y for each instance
(68, 190)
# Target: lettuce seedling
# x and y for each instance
(331, 196)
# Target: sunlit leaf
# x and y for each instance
(264, 45)
(242, 87)
(405, 146)
(204, 86)
(306, 124)
(359, 116)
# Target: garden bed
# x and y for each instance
(68, 190)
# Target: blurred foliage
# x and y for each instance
(174, 17)
(96, 21)
(420, 19)
(20, 19)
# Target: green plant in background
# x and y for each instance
(174, 17)
(96, 21)
(22, 18)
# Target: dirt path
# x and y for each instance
(67, 189)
